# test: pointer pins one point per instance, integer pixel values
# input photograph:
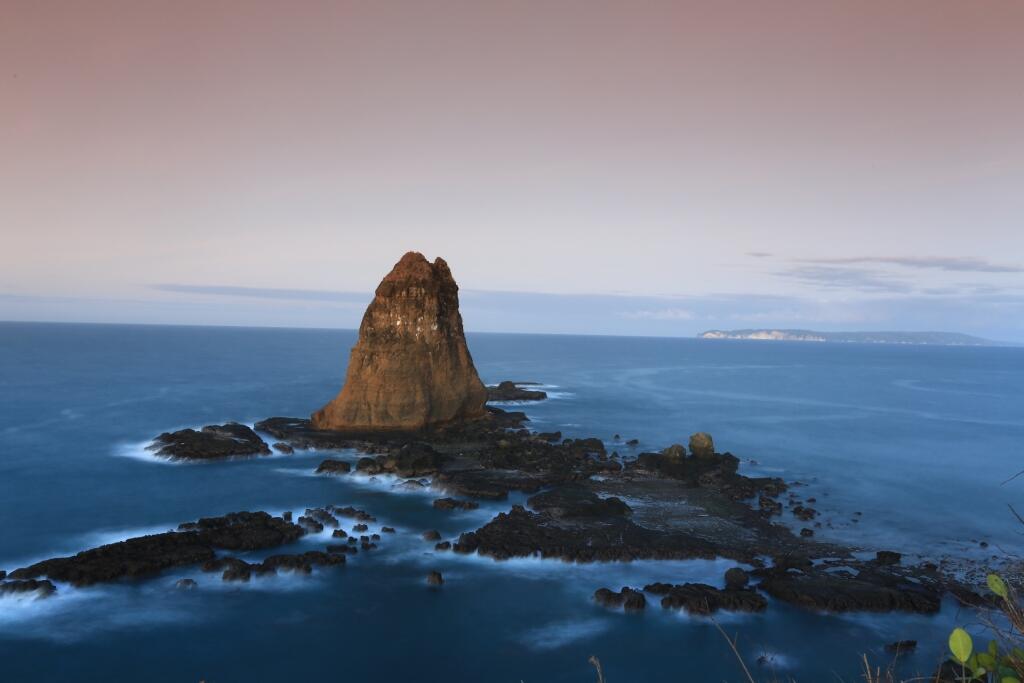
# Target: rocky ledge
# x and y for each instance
(213, 442)
(514, 391)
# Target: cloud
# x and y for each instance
(348, 298)
(759, 254)
(858, 279)
(960, 264)
(660, 314)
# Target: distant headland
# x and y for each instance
(918, 338)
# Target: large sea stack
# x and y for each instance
(411, 368)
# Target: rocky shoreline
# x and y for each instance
(585, 505)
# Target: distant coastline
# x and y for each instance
(913, 338)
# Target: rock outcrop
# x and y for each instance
(411, 368)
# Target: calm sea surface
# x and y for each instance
(918, 439)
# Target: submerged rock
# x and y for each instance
(455, 504)
(210, 443)
(42, 589)
(435, 579)
(411, 368)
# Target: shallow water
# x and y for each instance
(917, 438)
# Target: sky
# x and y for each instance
(633, 167)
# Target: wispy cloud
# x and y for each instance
(960, 264)
(660, 314)
(323, 295)
(858, 279)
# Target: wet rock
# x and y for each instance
(334, 467)
(286, 515)
(411, 337)
(368, 466)
(3, 574)
(240, 571)
(702, 599)
(323, 516)
(309, 524)
(576, 501)
(455, 504)
(387, 530)
(185, 584)
(769, 506)
(888, 557)
(736, 578)
(342, 548)
(354, 513)
(520, 533)
(193, 543)
(282, 447)
(805, 514)
(435, 579)
(443, 545)
(432, 535)
(339, 533)
(702, 445)
(42, 589)
(865, 591)
(360, 528)
(513, 391)
(633, 442)
(628, 598)
(549, 436)
(806, 533)
(212, 442)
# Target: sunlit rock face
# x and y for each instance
(410, 368)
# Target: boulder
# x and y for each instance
(334, 467)
(435, 579)
(702, 445)
(736, 578)
(411, 368)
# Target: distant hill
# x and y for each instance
(930, 338)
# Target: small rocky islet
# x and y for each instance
(413, 406)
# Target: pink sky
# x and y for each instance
(649, 148)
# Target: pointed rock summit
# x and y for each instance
(411, 368)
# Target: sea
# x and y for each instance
(923, 441)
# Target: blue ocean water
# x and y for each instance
(918, 439)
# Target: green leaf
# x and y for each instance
(986, 660)
(1009, 679)
(960, 644)
(997, 585)
(993, 648)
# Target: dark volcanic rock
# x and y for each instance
(520, 533)
(736, 578)
(887, 557)
(699, 598)
(143, 556)
(210, 443)
(42, 588)
(334, 467)
(281, 447)
(432, 535)
(866, 591)
(435, 579)
(185, 584)
(628, 598)
(455, 504)
(513, 391)
(410, 368)
(576, 501)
